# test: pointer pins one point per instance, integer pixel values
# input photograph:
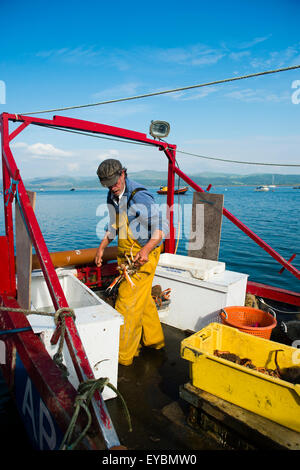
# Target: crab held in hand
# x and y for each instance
(126, 270)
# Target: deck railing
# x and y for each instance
(13, 186)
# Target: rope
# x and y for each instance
(85, 393)
(17, 197)
(174, 90)
(59, 316)
(177, 150)
(10, 191)
(87, 134)
(27, 312)
(14, 330)
(86, 390)
(275, 308)
(236, 161)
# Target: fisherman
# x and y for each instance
(135, 219)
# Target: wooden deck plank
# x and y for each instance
(260, 431)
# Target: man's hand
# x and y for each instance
(98, 257)
(142, 256)
(99, 254)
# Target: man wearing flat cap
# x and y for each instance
(135, 219)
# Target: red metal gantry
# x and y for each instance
(13, 185)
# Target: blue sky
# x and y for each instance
(56, 54)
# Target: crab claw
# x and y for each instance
(166, 294)
(131, 253)
(128, 279)
(114, 283)
(121, 267)
(129, 262)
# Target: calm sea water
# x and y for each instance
(73, 220)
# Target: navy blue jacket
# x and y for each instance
(144, 216)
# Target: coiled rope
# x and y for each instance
(59, 318)
(86, 390)
(85, 393)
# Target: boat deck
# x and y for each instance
(169, 414)
(150, 387)
(161, 405)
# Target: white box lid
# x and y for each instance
(188, 266)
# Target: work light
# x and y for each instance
(159, 129)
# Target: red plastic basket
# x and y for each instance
(249, 320)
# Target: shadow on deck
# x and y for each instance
(150, 387)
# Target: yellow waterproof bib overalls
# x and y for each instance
(141, 320)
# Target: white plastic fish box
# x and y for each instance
(200, 288)
(98, 325)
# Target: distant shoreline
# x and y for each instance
(154, 179)
(57, 188)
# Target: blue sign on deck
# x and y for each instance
(40, 425)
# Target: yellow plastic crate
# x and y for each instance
(264, 395)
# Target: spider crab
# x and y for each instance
(160, 295)
(245, 362)
(126, 270)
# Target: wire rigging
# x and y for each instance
(163, 92)
(115, 139)
(226, 80)
(237, 161)
(177, 150)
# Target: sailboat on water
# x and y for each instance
(272, 185)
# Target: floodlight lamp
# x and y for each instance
(159, 129)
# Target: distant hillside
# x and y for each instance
(62, 182)
(157, 178)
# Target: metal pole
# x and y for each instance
(170, 241)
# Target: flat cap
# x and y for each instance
(109, 172)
